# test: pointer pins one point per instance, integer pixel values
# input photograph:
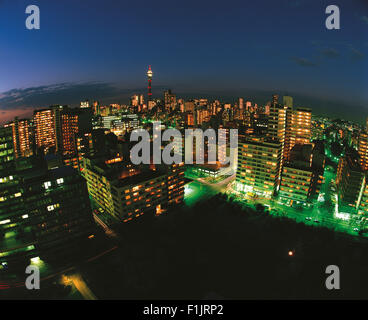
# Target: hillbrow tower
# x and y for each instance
(149, 76)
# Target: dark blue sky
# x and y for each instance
(101, 50)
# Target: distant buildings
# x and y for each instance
(280, 161)
(169, 100)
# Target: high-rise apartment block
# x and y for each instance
(350, 180)
(259, 162)
(126, 191)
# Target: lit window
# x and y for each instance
(47, 184)
(60, 181)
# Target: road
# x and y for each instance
(200, 189)
(82, 287)
(108, 231)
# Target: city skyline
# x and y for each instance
(222, 51)
(193, 150)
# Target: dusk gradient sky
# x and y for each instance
(101, 50)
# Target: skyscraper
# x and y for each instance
(45, 133)
(22, 137)
(278, 129)
(170, 100)
(241, 103)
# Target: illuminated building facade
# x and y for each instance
(298, 174)
(127, 192)
(300, 128)
(22, 137)
(296, 182)
(363, 150)
(170, 100)
(279, 121)
(45, 129)
(349, 180)
(258, 168)
(6, 148)
(42, 211)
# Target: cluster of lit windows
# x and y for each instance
(47, 184)
(6, 179)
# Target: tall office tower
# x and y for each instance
(267, 109)
(6, 148)
(170, 99)
(363, 150)
(141, 99)
(22, 137)
(248, 106)
(259, 162)
(84, 104)
(350, 180)
(45, 132)
(301, 126)
(241, 103)
(96, 108)
(366, 124)
(69, 124)
(134, 100)
(58, 111)
(42, 212)
(149, 76)
(73, 122)
(287, 101)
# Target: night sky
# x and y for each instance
(223, 49)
